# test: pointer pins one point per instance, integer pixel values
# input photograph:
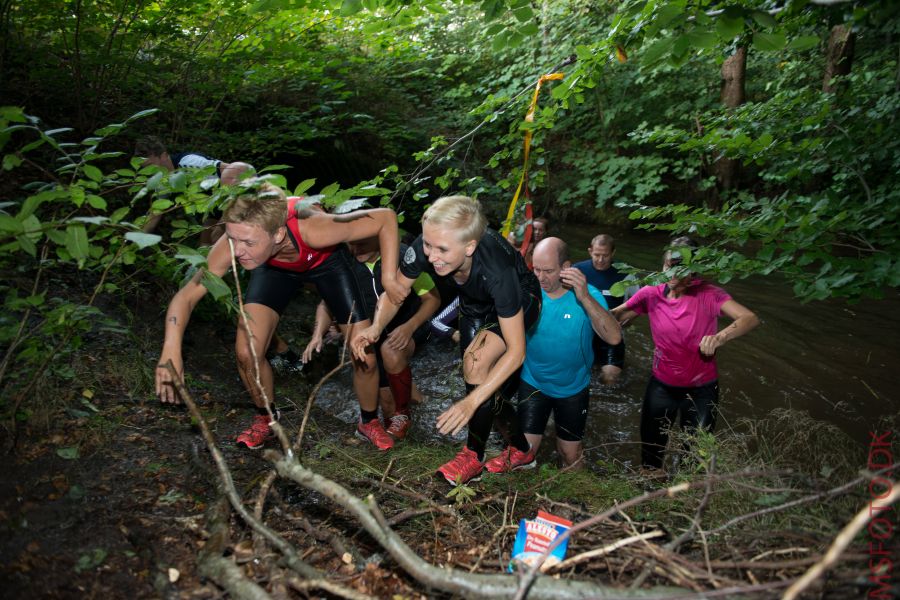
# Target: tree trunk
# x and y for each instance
(734, 71)
(839, 57)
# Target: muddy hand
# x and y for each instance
(165, 386)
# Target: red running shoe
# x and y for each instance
(511, 459)
(465, 467)
(257, 434)
(399, 425)
(375, 433)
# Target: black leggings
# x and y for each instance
(569, 414)
(501, 408)
(698, 406)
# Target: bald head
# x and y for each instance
(232, 173)
(551, 256)
(553, 249)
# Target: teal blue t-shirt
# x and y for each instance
(558, 353)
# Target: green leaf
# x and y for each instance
(94, 559)
(96, 201)
(764, 19)
(524, 14)
(500, 40)
(77, 241)
(216, 286)
(11, 161)
(178, 181)
(143, 240)
(27, 245)
(303, 186)
(118, 215)
(68, 453)
(729, 28)
(142, 114)
(350, 7)
(161, 205)
(803, 42)
(329, 190)
(53, 132)
(656, 51)
(7, 223)
(769, 42)
(529, 29)
(93, 173)
(666, 13)
(700, 38)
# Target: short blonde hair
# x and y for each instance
(459, 213)
(264, 205)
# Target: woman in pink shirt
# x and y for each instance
(683, 316)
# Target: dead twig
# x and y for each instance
(841, 542)
(267, 402)
(609, 548)
(529, 579)
(806, 499)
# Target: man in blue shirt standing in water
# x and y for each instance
(556, 375)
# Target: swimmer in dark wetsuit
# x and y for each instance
(499, 301)
(285, 246)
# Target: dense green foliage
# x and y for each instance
(375, 98)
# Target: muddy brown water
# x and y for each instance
(836, 361)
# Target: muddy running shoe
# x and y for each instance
(511, 459)
(375, 433)
(257, 434)
(399, 425)
(464, 468)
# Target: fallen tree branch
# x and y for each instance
(470, 585)
(287, 550)
(223, 571)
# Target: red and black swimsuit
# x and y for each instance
(330, 269)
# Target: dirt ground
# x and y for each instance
(106, 494)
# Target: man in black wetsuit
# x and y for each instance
(499, 301)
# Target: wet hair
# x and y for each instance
(679, 242)
(459, 213)
(604, 240)
(543, 220)
(149, 146)
(264, 205)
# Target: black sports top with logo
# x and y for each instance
(498, 283)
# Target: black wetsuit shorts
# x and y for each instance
(607, 354)
(334, 280)
(569, 414)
